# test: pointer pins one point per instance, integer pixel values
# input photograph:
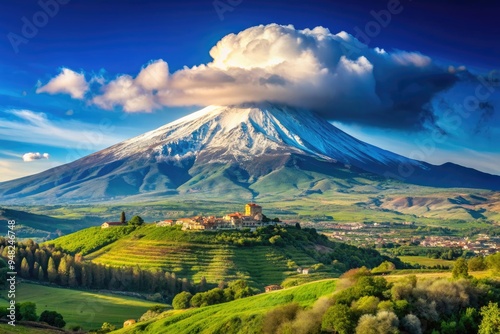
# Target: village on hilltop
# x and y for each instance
(251, 219)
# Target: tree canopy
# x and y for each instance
(136, 220)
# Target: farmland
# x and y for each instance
(426, 261)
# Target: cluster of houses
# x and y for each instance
(483, 244)
(251, 219)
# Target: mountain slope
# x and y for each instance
(230, 149)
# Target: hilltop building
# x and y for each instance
(111, 224)
(165, 223)
(251, 219)
(251, 209)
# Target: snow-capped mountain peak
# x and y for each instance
(242, 148)
(253, 130)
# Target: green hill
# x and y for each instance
(84, 308)
(36, 226)
(218, 255)
(238, 316)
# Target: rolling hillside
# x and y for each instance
(84, 308)
(216, 255)
(236, 316)
(38, 226)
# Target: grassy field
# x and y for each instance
(19, 329)
(86, 309)
(426, 261)
(241, 315)
(92, 238)
(242, 312)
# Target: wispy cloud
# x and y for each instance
(12, 169)
(35, 127)
(10, 154)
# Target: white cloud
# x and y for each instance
(139, 94)
(333, 74)
(67, 82)
(411, 58)
(27, 157)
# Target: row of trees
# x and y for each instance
(135, 220)
(27, 312)
(49, 264)
(222, 294)
(430, 252)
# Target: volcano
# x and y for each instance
(238, 152)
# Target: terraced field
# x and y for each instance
(259, 264)
(216, 256)
(186, 260)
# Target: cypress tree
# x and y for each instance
(51, 270)
(85, 277)
(34, 272)
(203, 284)
(72, 282)
(41, 276)
(63, 271)
(25, 269)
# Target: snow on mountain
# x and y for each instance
(238, 148)
(245, 132)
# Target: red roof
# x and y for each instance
(252, 204)
(113, 223)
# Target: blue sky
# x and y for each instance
(103, 40)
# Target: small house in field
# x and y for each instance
(129, 322)
(273, 287)
(306, 271)
(111, 224)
